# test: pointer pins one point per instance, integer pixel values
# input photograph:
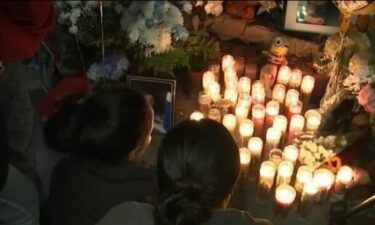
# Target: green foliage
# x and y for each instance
(194, 53)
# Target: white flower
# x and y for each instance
(74, 16)
(187, 7)
(174, 16)
(214, 7)
(164, 43)
(147, 8)
(73, 29)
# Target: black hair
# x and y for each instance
(197, 167)
(107, 125)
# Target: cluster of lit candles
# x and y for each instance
(263, 124)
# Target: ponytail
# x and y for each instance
(190, 203)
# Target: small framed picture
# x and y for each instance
(161, 93)
(312, 16)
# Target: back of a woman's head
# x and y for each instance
(197, 168)
(108, 125)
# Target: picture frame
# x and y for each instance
(309, 16)
(161, 93)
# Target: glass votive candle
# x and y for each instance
(204, 102)
(207, 79)
(245, 158)
(307, 87)
(324, 179)
(284, 198)
(313, 120)
(214, 114)
(295, 78)
(197, 116)
(273, 137)
(276, 156)
(244, 85)
(241, 112)
(291, 98)
(290, 154)
(283, 75)
(304, 175)
(227, 62)
(297, 123)
(272, 110)
(231, 95)
(294, 109)
(255, 146)
(266, 178)
(278, 93)
(258, 116)
(258, 93)
(344, 177)
(284, 173)
(231, 79)
(230, 122)
(246, 130)
(244, 100)
(308, 195)
(214, 91)
(281, 123)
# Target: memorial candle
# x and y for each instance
(307, 199)
(278, 93)
(246, 130)
(231, 95)
(215, 68)
(281, 123)
(304, 175)
(273, 137)
(207, 79)
(291, 98)
(244, 85)
(324, 179)
(285, 196)
(276, 156)
(227, 62)
(258, 115)
(266, 177)
(283, 75)
(214, 114)
(241, 112)
(244, 100)
(297, 123)
(307, 86)
(294, 109)
(295, 78)
(344, 176)
(230, 122)
(272, 110)
(230, 78)
(196, 115)
(313, 120)
(204, 102)
(284, 173)
(255, 146)
(245, 158)
(290, 154)
(258, 92)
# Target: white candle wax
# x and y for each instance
(227, 62)
(304, 175)
(231, 79)
(258, 115)
(290, 153)
(280, 122)
(214, 91)
(231, 95)
(258, 93)
(267, 174)
(278, 93)
(245, 157)
(207, 79)
(285, 196)
(273, 137)
(244, 100)
(230, 122)
(307, 86)
(313, 120)
(241, 112)
(255, 146)
(295, 78)
(272, 110)
(244, 85)
(246, 128)
(283, 75)
(284, 173)
(291, 98)
(196, 115)
(324, 179)
(297, 123)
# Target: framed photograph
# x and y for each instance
(312, 16)
(161, 93)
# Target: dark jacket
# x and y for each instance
(82, 191)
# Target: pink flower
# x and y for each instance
(366, 98)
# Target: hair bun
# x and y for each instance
(190, 203)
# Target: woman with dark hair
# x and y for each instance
(106, 134)
(197, 169)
